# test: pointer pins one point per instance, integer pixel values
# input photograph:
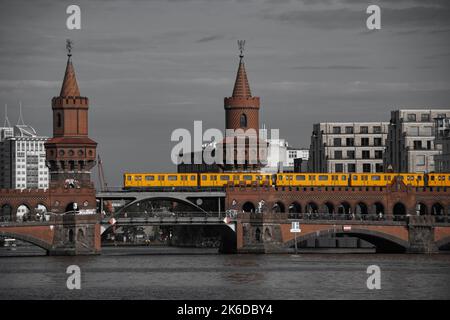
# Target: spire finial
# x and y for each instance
(69, 44)
(241, 45)
(20, 121)
(6, 123)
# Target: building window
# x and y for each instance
(411, 117)
(350, 142)
(58, 121)
(351, 167)
(378, 155)
(337, 142)
(337, 130)
(366, 167)
(364, 129)
(243, 120)
(378, 167)
(366, 154)
(428, 145)
(350, 154)
(364, 142)
(339, 167)
(425, 117)
(417, 144)
(377, 142)
(349, 130)
(377, 129)
(420, 160)
(338, 154)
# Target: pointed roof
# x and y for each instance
(70, 86)
(241, 86)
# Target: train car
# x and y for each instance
(235, 178)
(438, 179)
(312, 180)
(412, 179)
(370, 179)
(160, 180)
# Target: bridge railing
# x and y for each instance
(360, 217)
(169, 214)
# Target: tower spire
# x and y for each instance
(6, 123)
(20, 120)
(241, 86)
(70, 86)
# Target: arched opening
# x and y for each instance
(329, 208)
(421, 209)
(243, 120)
(361, 209)
(344, 208)
(295, 207)
(6, 213)
(278, 207)
(80, 235)
(257, 235)
(267, 234)
(379, 208)
(399, 211)
(73, 206)
(71, 238)
(23, 213)
(311, 207)
(41, 212)
(248, 207)
(437, 209)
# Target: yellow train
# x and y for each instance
(220, 180)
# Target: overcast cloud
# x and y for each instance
(150, 67)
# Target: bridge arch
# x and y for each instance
(361, 208)
(378, 208)
(399, 209)
(312, 207)
(145, 205)
(437, 209)
(344, 208)
(279, 207)
(422, 208)
(37, 242)
(6, 212)
(248, 207)
(382, 241)
(328, 207)
(23, 211)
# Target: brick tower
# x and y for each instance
(241, 112)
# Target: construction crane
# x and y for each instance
(101, 176)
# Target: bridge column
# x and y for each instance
(76, 234)
(421, 234)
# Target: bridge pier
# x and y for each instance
(421, 235)
(76, 234)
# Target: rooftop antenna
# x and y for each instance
(20, 121)
(6, 123)
(69, 44)
(241, 45)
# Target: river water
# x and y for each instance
(202, 274)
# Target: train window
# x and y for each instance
(365, 178)
(193, 178)
(322, 177)
(376, 178)
(149, 178)
(280, 177)
(432, 178)
(225, 178)
(172, 178)
(300, 177)
(268, 177)
(247, 177)
(161, 178)
(258, 177)
(214, 177)
(312, 178)
(355, 177)
(204, 177)
(137, 178)
(129, 178)
(419, 178)
(344, 178)
(236, 177)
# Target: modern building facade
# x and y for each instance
(22, 157)
(442, 130)
(410, 145)
(347, 147)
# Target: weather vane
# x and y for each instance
(69, 47)
(241, 45)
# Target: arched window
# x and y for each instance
(243, 120)
(58, 120)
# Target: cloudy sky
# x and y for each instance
(150, 67)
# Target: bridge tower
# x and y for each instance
(70, 156)
(241, 112)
